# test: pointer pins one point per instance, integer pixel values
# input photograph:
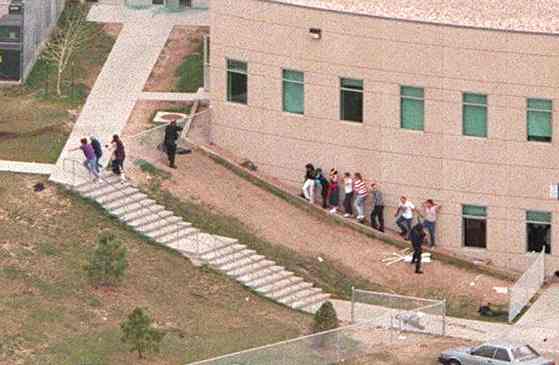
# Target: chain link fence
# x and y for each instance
(527, 286)
(399, 312)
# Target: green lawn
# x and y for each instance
(50, 314)
(34, 122)
(191, 73)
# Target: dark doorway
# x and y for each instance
(9, 65)
(157, 2)
(185, 3)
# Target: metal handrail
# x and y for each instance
(121, 190)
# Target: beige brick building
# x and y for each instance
(431, 99)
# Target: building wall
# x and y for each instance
(40, 17)
(503, 172)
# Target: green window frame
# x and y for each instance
(538, 231)
(412, 108)
(237, 81)
(474, 115)
(351, 100)
(539, 118)
(293, 91)
(474, 226)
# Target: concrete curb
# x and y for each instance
(299, 202)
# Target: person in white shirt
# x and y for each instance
(348, 191)
(405, 209)
(430, 213)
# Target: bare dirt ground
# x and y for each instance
(203, 181)
(182, 42)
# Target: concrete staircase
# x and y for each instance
(131, 206)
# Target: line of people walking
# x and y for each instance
(93, 153)
(356, 191)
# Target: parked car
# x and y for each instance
(494, 353)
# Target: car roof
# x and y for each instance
(504, 343)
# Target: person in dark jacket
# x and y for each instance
(324, 185)
(119, 156)
(417, 236)
(171, 136)
(98, 151)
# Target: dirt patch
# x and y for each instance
(182, 41)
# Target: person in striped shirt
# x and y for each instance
(360, 190)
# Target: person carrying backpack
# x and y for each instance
(98, 151)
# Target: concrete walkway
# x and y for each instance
(26, 167)
(121, 81)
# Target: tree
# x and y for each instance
(72, 34)
(138, 332)
(108, 263)
(325, 318)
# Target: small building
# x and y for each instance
(24, 28)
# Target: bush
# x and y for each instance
(139, 333)
(325, 318)
(108, 263)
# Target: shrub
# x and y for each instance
(325, 318)
(108, 263)
(138, 332)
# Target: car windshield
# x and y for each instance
(524, 353)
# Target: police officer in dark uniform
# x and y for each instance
(417, 236)
(171, 136)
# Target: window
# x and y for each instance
(474, 115)
(412, 108)
(524, 353)
(474, 226)
(351, 100)
(502, 355)
(538, 231)
(236, 81)
(539, 120)
(484, 351)
(293, 92)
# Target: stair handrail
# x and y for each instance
(119, 189)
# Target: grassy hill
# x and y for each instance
(50, 314)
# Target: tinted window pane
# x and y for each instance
(474, 210)
(415, 92)
(352, 84)
(293, 97)
(540, 104)
(475, 99)
(539, 126)
(412, 114)
(475, 232)
(351, 106)
(484, 351)
(474, 120)
(502, 355)
(237, 88)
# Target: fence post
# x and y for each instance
(352, 305)
(444, 317)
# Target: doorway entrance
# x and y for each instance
(9, 65)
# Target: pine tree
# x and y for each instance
(138, 332)
(325, 318)
(108, 263)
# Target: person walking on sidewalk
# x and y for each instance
(119, 155)
(90, 162)
(171, 136)
(333, 192)
(361, 193)
(98, 151)
(322, 183)
(377, 214)
(430, 215)
(308, 185)
(406, 208)
(348, 197)
(417, 236)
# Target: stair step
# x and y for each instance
(270, 279)
(309, 301)
(237, 255)
(313, 307)
(231, 266)
(289, 291)
(140, 220)
(281, 284)
(174, 236)
(117, 195)
(299, 296)
(216, 247)
(251, 268)
(101, 189)
(157, 225)
(125, 201)
(148, 211)
(129, 209)
(168, 228)
(253, 277)
(228, 250)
